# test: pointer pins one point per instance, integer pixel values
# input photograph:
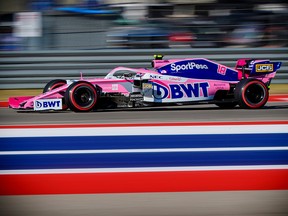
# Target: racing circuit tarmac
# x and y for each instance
(240, 203)
(232, 203)
(191, 113)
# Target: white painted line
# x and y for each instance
(131, 131)
(163, 150)
(143, 169)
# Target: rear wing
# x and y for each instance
(265, 67)
(253, 67)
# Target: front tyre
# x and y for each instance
(53, 84)
(81, 96)
(251, 94)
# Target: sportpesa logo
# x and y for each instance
(188, 66)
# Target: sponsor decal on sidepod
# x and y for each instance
(181, 90)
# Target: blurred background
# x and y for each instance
(125, 24)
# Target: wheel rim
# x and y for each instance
(255, 94)
(83, 96)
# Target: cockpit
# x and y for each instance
(121, 73)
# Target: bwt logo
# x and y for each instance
(191, 90)
(264, 68)
(48, 104)
(159, 91)
(188, 66)
(38, 104)
(181, 90)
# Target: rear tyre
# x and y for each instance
(251, 94)
(81, 96)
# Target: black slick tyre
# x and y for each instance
(251, 94)
(53, 84)
(81, 96)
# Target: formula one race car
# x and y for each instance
(176, 81)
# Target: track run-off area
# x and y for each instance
(178, 160)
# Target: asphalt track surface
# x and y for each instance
(239, 203)
(192, 113)
(230, 203)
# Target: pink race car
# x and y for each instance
(175, 81)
